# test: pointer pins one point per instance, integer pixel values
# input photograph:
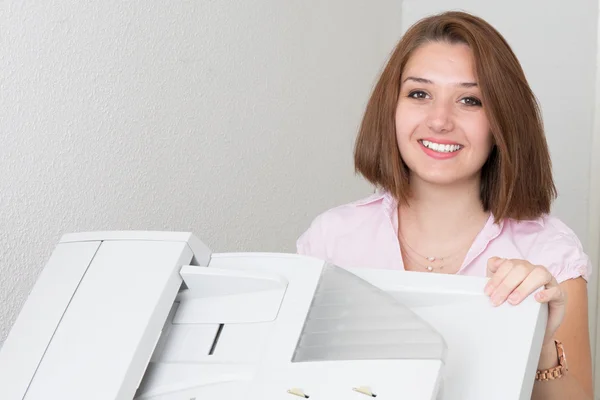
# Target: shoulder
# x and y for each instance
(350, 215)
(341, 221)
(548, 241)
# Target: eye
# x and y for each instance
(417, 94)
(471, 102)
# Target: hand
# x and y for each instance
(514, 280)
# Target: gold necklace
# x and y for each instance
(431, 259)
(428, 267)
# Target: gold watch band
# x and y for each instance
(554, 372)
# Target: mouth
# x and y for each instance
(439, 147)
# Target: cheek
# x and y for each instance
(480, 137)
(406, 121)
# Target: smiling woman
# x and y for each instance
(453, 138)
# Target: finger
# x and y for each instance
(548, 295)
(518, 273)
(501, 268)
(553, 294)
(556, 298)
(538, 277)
(493, 264)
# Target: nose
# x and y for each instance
(440, 119)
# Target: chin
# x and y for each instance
(447, 178)
(440, 180)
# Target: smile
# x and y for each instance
(441, 148)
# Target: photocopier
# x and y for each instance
(136, 315)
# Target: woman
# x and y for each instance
(453, 138)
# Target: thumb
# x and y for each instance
(493, 265)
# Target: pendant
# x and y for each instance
(429, 268)
(431, 259)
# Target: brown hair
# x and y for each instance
(516, 180)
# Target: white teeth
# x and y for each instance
(441, 148)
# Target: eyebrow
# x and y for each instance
(427, 81)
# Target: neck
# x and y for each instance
(443, 213)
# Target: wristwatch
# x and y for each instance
(554, 372)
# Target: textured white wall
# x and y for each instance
(232, 119)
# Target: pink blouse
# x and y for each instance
(364, 234)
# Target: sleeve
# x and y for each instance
(563, 255)
(312, 241)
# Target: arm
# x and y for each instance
(512, 281)
(574, 334)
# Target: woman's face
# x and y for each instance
(442, 130)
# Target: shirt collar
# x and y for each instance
(390, 204)
(375, 197)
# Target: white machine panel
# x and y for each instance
(120, 302)
(41, 315)
(93, 319)
(484, 342)
(157, 316)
